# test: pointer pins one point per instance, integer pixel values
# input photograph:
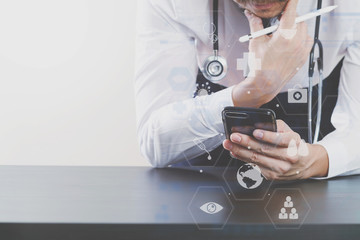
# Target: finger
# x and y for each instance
(250, 143)
(282, 126)
(227, 144)
(268, 174)
(306, 49)
(292, 176)
(245, 141)
(291, 33)
(271, 175)
(255, 23)
(292, 173)
(302, 32)
(249, 156)
(308, 44)
(287, 20)
(278, 139)
(270, 150)
(289, 152)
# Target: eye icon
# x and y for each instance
(211, 207)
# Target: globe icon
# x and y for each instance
(249, 176)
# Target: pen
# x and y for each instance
(297, 20)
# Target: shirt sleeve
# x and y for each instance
(342, 145)
(172, 126)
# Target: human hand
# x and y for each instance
(282, 54)
(280, 155)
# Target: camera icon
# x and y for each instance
(297, 96)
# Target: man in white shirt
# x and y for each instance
(173, 42)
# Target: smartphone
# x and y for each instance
(246, 120)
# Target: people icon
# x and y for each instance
(293, 215)
(288, 203)
(283, 214)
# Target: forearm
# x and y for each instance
(256, 91)
(245, 95)
(181, 130)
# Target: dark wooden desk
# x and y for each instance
(144, 203)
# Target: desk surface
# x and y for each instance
(129, 199)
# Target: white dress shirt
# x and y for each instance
(173, 41)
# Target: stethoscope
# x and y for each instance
(215, 68)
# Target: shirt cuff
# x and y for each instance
(336, 151)
(215, 104)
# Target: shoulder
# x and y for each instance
(176, 8)
(185, 16)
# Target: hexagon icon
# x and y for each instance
(213, 155)
(209, 157)
(290, 108)
(179, 78)
(287, 208)
(202, 21)
(245, 181)
(210, 208)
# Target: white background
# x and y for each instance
(66, 83)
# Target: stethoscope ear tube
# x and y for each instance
(320, 87)
(320, 65)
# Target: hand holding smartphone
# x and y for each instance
(246, 120)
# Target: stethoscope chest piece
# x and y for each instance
(215, 68)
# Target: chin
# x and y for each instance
(266, 13)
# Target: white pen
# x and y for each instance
(297, 20)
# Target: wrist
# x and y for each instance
(319, 161)
(248, 94)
